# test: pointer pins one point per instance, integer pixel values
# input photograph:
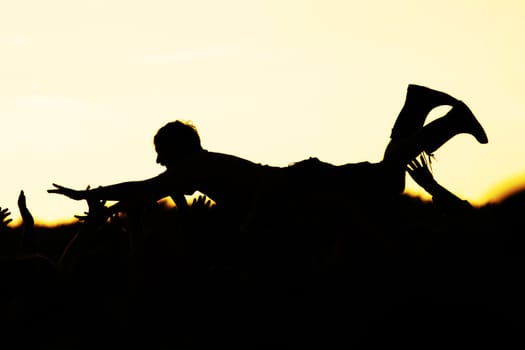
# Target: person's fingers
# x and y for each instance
(61, 188)
(412, 164)
(423, 160)
(56, 189)
(22, 199)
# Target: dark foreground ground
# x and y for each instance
(327, 275)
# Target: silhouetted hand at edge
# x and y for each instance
(68, 192)
(4, 218)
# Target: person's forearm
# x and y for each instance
(27, 218)
(442, 196)
(133, 190)
(431, 186)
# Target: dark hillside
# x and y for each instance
(321, 272)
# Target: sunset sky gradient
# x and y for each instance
(86, 84)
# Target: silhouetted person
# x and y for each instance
(238, 185)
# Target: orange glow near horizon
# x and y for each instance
(494, 196)
(505, 189)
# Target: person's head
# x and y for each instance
(175, 141)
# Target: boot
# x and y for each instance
(459, 120)
(419, 101)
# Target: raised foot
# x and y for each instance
(470, 123)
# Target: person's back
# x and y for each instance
(232, 182)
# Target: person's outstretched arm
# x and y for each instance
(421, 174)
(150, 189)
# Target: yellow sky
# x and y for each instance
(86, 84)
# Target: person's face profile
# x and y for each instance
(161, 156)
(166, 160)
(160, 160)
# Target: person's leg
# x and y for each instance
(419, 101)
(459, 120)
(400, 151)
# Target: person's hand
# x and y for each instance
(22, 200)
(97, 211)
(202, 202)
(4, 218)
(22, 206)
(201, 206)
(68, 192)
(420, 172)
(27, 218)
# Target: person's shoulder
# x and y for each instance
(165, 175)
(225, 158)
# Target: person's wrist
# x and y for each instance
(431, 184)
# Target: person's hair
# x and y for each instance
(177, 139)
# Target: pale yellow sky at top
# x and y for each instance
(85, 85)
